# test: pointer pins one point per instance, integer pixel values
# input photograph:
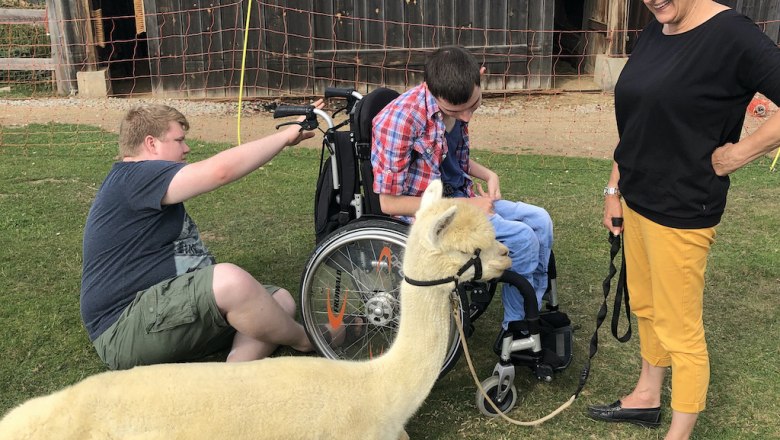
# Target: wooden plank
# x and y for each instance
(300, 70)
(27, 64)
(153, 46)
(594, 13)
(256, 62)
(23, 16)
(773, 17)
(464, 20)
(170, 22)
(345, 30)
(617, 24)
(395, 29)
(516, 74)
(367, 35)
(479, 23)
(193, 54)
(322, 39)
(394, 61)
(358, 38)
(430, 24)
(415, 62)
(64, 73)
(231, 22)
(447, 30)
(403, 56)
(89, 32)
(540, 19)
(497, 13)
(274, 47)
(214, 69)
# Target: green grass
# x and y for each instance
(49, 175)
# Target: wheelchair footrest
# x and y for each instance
(556, 339)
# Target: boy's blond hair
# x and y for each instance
(142, 121)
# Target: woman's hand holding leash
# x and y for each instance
(613, 210)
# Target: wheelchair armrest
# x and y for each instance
(530, 302)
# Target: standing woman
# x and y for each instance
(680, 104)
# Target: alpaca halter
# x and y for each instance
(473, 261)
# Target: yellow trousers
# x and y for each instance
(665, 275)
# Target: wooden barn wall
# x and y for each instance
(372, 42)
(760, 11)
(597, 18)
(297, 47)
(195, 51)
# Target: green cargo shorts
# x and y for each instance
(176, 320)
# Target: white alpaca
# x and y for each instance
(287, 397)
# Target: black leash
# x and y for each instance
(621, 295)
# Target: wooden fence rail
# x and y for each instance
(35, 17)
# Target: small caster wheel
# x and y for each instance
(491, 389)
(544, 372)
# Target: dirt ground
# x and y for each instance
(569, 124)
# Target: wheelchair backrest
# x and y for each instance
(333, 207)
(365, 111)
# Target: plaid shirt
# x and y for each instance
(412, 123)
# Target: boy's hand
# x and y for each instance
(483, 203)
(494, 188)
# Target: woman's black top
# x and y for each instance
(680, 97)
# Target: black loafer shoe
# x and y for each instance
(648, 417)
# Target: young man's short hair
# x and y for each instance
(451, 73)
(150, 120)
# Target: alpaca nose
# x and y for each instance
(504, 251)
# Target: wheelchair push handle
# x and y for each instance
(310, 112)
(338, 92)
(349, 94)
(284, 111)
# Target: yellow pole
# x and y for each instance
(243, 67)
(774, 162)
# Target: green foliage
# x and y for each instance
(49, 175)
(24, 41)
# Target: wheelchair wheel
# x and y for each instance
(357, 272)
(491, 389)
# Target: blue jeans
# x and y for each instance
(527, 231)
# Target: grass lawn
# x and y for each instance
(49, 176)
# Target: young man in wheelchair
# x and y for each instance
(423, 135)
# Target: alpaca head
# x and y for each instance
(444, 237)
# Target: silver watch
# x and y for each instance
(611, 191)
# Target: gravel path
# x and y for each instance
(571, 124)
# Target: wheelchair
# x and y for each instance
(356, 270)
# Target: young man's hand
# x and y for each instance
(294, 132)
(485, 204)
(494, 188)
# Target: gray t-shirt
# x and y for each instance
(132, 242)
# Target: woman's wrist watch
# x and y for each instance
(611, 191)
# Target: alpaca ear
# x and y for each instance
(440, 225)
(432, 194)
